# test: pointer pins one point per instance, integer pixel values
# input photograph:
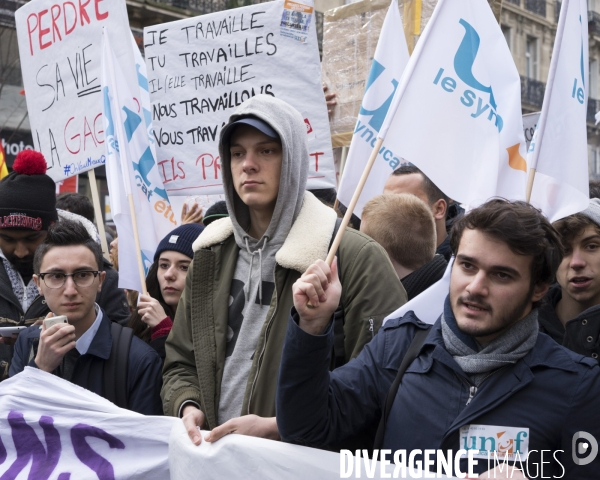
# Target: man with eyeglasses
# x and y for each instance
(67, 274)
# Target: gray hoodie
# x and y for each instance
(253, 280)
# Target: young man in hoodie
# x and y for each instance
(222, 357)
(570, 313)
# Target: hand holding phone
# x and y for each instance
(55, 342)
(48, 322)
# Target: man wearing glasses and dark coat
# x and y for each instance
(85, 350)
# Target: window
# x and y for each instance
(593, 85)
(531, 57)
(507, 31)
(594, 160)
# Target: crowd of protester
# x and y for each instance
(245, 329)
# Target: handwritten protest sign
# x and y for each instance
(200, 69)
(60, 46)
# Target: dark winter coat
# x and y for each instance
(551, 391)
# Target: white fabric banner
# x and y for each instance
(200, 69)
(131, 167)
(457, 111)
(558, 150)
(391, 56)
(51, 429)
(60, 47)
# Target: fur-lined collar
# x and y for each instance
(308, 240)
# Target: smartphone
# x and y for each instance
(48, 322)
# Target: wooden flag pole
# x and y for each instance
(353, 202)
(136, 238)
(98, 212)
(530, 180)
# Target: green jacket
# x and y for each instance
(195, 348)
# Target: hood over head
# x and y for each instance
(287, 122)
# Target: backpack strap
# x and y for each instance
(115, 368)
(339, 350)
(412, 352)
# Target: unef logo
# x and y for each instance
(463, 66)
(487, 439)
(579, 92)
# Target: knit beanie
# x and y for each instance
(593, 211)
(214, 212)
(180, 240)
(27, 194)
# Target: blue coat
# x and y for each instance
(144, 375)
(551, 391)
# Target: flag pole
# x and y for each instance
(98, 211)
(359, 188)
(530, 180)
(136, 238)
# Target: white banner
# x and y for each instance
(457, 111)
(131, 166)
(51, 429)
(391, 56)
(200, 69)
(60, 47)
(558, 150)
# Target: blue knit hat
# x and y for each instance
(180, 240)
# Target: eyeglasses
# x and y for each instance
(84, 278)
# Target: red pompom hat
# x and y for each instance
(27, 194)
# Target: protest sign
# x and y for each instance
(200, 69)
(60, 46)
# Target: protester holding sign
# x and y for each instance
(153, 319)
(482, 371)
(89, 350)
(223, 375)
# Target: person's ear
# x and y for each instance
(439, 208)
(539, 291)
(102, 276)
(38, 284)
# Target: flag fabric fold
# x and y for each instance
(131, 167)
(391, 56)
(456, 113)
(558, 150)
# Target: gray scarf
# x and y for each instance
(508, 348)
(25, 294)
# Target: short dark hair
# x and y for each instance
(569, 228)
(523, 228)
(76, 203)
(431, 189)
(66, 233)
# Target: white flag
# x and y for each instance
(391, 56)
(131, 166)
(457, 111)
(558, 150)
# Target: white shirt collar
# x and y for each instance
(83, 343)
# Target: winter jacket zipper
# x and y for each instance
(371, 328)
(472, 388)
